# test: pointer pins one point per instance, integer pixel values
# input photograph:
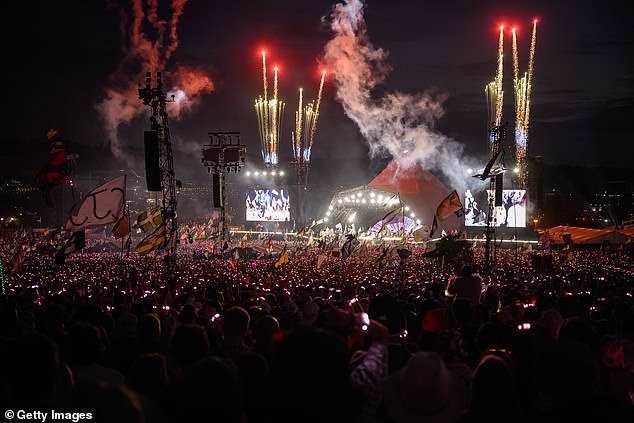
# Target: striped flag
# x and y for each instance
(54, 172)
(150, 219)
(155, 241)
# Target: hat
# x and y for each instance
(551, 320)
(435, 320)
(424, 391)
(310, 310)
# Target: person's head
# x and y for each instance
(126, 325)
(310, 312)
(386, 310)
(466, 271)
(31, 369)
(86, 344)
(235, 323)
(189, 344)
(188, 314)
(210, 388)
(320, 360)
(579, 329)
(424, 391)
(264, 329)
(148, 375)
(149, 328)
(493, 396)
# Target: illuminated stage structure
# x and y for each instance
(223, 155)
(159, 162)
(522, 89)
(406, 196)
(302, 140)
(269, 113)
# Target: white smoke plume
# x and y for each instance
(397, 123)
(148, 43)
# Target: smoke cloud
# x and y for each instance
(398, 124)
(148, 43)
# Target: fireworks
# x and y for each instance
(306, 125)
(522, 89)
(494, 91)
(269, 114)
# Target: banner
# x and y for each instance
(101, 206)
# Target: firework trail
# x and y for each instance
(516, 65)
(401, 125)
(269, 115)
(316, 116)
(499, 75)
(522, 88)
(265, 84)
(274, 131)
(144, 52)
(529, 78)
(297, 135)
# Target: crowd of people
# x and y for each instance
(220, 339)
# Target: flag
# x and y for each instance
(76, 242)
(490, 169)
(150, 219)
(53, 134)
(54, 172)
(100, 207)
(421, 234)
(451, 204)
(56, 146)
(155, 241)
(386, 249)
(122, 227)
(55, 138)
(393, 216)
(434, 226)
(320, 260)
(283, 258)
(15, 263)
(349, 246)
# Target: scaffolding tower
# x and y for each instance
(155, 98)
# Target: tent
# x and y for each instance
(418, 188)
(590, 236)
(412, 187)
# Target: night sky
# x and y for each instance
(60, 58)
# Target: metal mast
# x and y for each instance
(224, 154)
(155, 98)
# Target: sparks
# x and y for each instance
(522, 88)
(269, 115)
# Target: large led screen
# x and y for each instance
(512, 213)
(268, 205)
